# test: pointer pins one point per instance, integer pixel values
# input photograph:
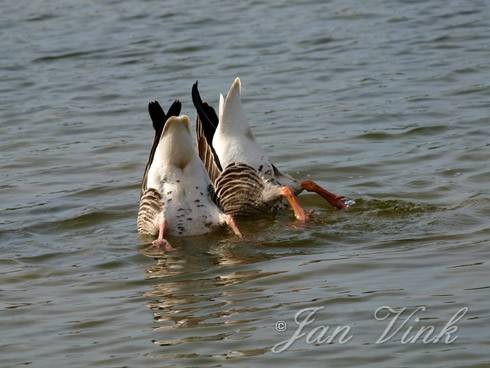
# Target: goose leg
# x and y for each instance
(161, 242)
(299, 213)
(232, 225)
(333, 199)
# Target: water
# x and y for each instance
(386, 102)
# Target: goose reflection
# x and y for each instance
(199, 291)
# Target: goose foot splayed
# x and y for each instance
(177, 197)
(335, 200)
(245, 179)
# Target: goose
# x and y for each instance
(176, 194)
(245, 179)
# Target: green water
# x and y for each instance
(386, 102)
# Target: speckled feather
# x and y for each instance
(177, 186)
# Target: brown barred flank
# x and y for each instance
(240, 190)
(149, 209)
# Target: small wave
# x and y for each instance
(41, 17)
(477, 88)
(82, 221)
(425, 131)
(67, 55)
(392, 207)
(322, 40)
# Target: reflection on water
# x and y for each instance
(210, 296)
(217, 304)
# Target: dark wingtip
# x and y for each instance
(157, 114)
(174, 109)
(196, 97)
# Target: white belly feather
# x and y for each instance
(187, 206)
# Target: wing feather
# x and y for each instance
(206, 124)
(206, 153)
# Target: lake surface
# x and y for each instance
(385, 102)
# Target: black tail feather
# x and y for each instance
(157, 115)
(206, 124)
(174, 109)
(206, 113)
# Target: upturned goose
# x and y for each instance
(176, 194)
(245, 179)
